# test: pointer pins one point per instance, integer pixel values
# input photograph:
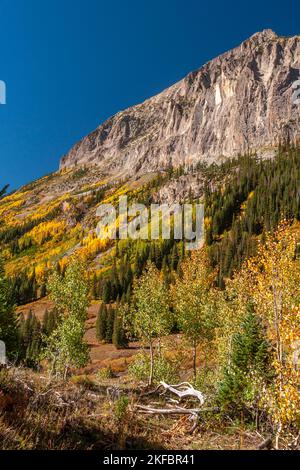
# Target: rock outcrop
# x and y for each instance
(240, 101)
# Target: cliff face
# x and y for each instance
(239, 101)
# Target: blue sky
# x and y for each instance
(70, 64)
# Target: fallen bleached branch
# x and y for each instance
(167, 411)
(182, 390)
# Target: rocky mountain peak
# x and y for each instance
(238, 102)
(264, 35)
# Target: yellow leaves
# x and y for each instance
(284, 399)
(90, 187)
(290, 326)
(197, 267)
(92, 246)
(272, 280)
(17, 196)
(195, 299)
(47, 254)
(10, 206)
(40, 271)
(207, 222)
(63, 263)
(54, 230)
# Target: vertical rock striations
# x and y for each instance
(237, 102)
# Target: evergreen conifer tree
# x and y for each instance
(101, 323)
(110, 324)
(8, 321)
(250, 360)
(119, 337)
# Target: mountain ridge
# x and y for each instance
(238, 102)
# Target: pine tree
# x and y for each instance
(46, 322)
(107, 292)
(8, 321)
(110, 324)
(119, 338)
(101, 323)
(3, 191)
(250, 359)
(25, 334)
(35, 343)
(138, 265)
(94, 287)
(128, 295)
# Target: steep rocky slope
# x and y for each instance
(237, 102)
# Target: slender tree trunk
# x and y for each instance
(277, 436)
(159, 347)
(151, 364)
(66, 372)
(53, 368)
(277, 301)
(195, 359)
(242, 431)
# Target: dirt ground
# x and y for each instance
(106, 355)
(102, 355)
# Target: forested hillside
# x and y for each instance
(244, 198)
(224, 317)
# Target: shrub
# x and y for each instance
(84, 381)
(121, 407)
(105, 373)
(205, 381)
(164, 369)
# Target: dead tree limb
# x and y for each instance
(176, 410)
(183, 390)
(167, 411)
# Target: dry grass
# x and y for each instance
(36, 414)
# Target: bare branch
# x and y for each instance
(184, 389)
